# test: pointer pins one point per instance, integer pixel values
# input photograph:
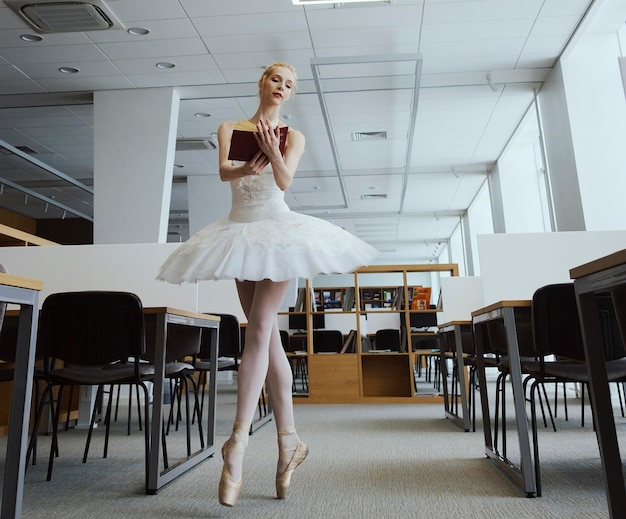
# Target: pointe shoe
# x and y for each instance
(284, 479)
(229, 488)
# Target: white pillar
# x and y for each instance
(584, 120)
(134, 147)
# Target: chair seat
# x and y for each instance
(576, 371)
(92, 375)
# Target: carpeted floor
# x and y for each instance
(366, 461)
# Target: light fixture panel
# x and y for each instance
(339, 2)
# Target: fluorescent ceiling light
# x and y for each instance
(315, 2)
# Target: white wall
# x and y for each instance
(460, 296)
(597, 113)
(515, 265)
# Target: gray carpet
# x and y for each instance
(369, 461)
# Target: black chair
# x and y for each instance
(388, 339)
(327, 341)
(556, 332)
(229, 352)
(99, 338)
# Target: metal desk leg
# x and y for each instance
(19, 417)
(460, 368)
(601, 403)
(519, 401)
(482, 383)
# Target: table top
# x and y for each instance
(20, 282)
(452, 324)
(606, 262)
(495, 309)
(178, 311)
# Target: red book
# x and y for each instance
(243, 144)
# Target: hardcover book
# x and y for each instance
(243, 144)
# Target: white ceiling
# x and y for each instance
(461, 124)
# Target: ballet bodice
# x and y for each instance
(256, 197)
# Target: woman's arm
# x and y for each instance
(229, 171)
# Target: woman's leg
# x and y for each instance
(260, 302)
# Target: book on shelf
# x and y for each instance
(348, 300)
(300, 300)
(349, 343)
(300, 305)
(421, 298)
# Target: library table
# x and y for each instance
(455, 328)
(606, 274)
(23, 292)
(165, 316)
(510, 313)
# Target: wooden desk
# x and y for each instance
(455, 328)
(165, 316)
(509, 312)
(602, 275)
(24, 292)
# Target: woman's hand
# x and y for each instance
(268, 139)
(255, 165)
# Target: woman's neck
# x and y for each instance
(272, 115)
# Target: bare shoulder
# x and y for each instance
(295, 135)
(226, 126)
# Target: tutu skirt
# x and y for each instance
(286, 246)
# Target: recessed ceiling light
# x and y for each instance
(165, 65)
(138, 31)
(31, 37)
(69, 70)
(202, 114)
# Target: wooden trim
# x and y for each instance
(27, 238)
(453, 268)
(20, 282)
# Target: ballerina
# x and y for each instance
(262, 245)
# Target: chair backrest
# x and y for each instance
(91, 328)
(388, 339)
(229, 337)
(284, 339)
(327, 341)
(555, 323)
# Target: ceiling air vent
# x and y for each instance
(374, 196)
(369, 136)
(197, 144)
(50, 16)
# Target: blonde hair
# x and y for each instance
(268, 70)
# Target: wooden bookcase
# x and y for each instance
(367, 375)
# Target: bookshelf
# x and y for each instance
(373, 298)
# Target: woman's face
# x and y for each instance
(277, 85)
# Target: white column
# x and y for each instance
(134, 146)
(584, 119)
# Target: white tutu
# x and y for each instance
(263, 239)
